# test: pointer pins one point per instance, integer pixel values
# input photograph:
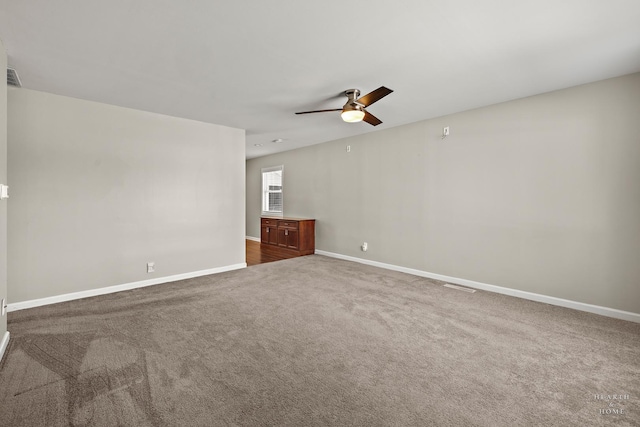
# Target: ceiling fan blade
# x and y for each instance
(374, 96)
(371, 119)
(319, 111)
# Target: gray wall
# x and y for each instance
(97, 191)
(540, 194)
(3, 180)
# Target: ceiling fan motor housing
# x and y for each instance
(352, 106)
(352, 103)
(352, 94)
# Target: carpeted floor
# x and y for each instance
(316, 341)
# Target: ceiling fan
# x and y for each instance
(354, 109)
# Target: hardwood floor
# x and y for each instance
(260, 254)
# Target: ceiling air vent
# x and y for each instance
(12, 78)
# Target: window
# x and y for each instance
(272, 190)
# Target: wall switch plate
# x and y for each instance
(348, 148)
(4, 191)
(4, 307)
(445, 131)
(151, 267)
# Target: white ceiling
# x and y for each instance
(252, 64)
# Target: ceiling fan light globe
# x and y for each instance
(352, 116)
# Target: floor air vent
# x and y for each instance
(12, 78)
(460, 288)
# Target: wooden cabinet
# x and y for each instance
(289, 234)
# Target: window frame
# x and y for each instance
(265, 191)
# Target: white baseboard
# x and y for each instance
(603, 311)
(118, 288)
(255, 239)
(3, 344)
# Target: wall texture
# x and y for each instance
(540, 194)
(3, 180)
(97, 191)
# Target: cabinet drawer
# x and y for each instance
(288, 224)
(269, 221)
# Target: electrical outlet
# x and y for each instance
(151, 267)
(348, 148)
(445, 131)
(364, 247)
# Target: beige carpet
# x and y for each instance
(316, 341)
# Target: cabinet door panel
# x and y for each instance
(282, 236)
(273, 235)
(292, 239)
